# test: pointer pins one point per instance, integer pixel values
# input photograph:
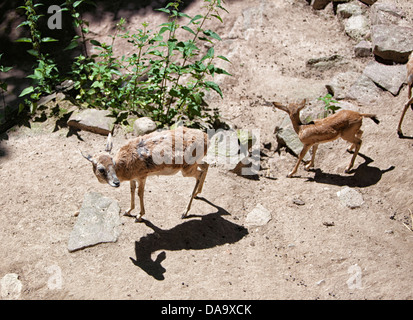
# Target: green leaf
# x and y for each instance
(197, 17)
(49, 39)
(212, 34)
(28, 40)
(26, 91)
(188, 29)
(77, 3)
(223, 58)
(73, 44)
(164, 10)
(95, 43)
(214, 86)
(217, 16)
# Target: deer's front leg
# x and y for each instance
(141, 190)
(132, 199)
(311, 163)
(300, 157)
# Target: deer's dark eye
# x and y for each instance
(101, 170)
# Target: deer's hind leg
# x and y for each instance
(355, 139)
(353, 146)
(198, 171)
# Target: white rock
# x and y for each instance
(350, 198)
(11, 286)
(259, 216)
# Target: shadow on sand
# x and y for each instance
(364, 175)
(210, 231)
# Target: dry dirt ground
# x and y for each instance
(319, 250)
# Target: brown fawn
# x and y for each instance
(345, 124)
(157, 153)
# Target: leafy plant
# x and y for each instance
(329, 104)
(166, 76)
(45, 75)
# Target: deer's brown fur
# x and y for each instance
(345, 124)
(157, 153)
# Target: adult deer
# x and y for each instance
(157, 153)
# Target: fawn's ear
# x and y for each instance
(280, 106)
(302, 104)
(87, 156)
(109, 143)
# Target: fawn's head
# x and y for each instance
(104, 166)
(292, 108)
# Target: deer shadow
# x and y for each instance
(210, 231)
(364, 175)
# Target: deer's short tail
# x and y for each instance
(372, 117)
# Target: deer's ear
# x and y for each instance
(87, 156)
(109, 143)
(280, 106)
(302, 104)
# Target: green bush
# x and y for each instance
(166, 77)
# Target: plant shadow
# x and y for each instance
(364, 175)
(210, 231)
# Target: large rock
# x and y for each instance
(319, 4)
(97, 222)
(364, 90)
(339, 85)
(357, 27)
(288, 137)
(385, 13)
(368, 2)
(228, 148)
(143, 126)
(346, 10)
(389, 77)
(97, 121)
(392, 42)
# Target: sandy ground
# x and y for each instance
(319, 250)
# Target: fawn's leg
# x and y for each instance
(204, 169)
(132, 199)
(300, 157)
(357, 145)
(141, 190)
(311, 163)
(399, 127)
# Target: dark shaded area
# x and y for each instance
(15, 53)
(364, 175)
(210, 231)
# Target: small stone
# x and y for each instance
(11, 287)
(259, 216)
(298, 202)
(350, 198)
(363, 49)
(319, 283)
